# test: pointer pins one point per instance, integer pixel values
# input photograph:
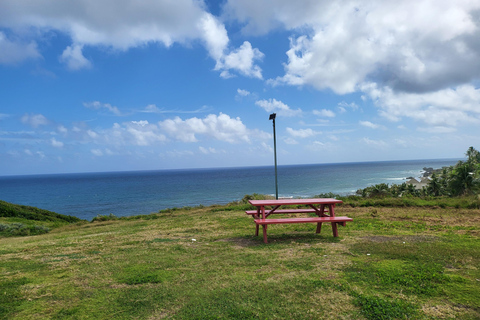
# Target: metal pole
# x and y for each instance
(272, 117)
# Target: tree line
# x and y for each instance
(461, 179)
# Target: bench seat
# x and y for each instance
(285, 211)
(318, 220)
(303, 220)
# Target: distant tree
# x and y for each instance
(462, 180)
(434, 187)
(473, 155)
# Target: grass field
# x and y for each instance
(206, 263)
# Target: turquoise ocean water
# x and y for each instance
(86, 195)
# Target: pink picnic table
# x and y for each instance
(320, 206)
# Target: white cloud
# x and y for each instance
(143, 133)
(215, 35)
(97, 152)
(394, 52)
(34, 120)
(447, 107)
(369, 124)
(243, 93)
(73, 57)
(12, 52)
(62, 129)
(342, 106)
(273, 105)
(324, 113)
(55, 143)
(96, 105)
(92, 134)
(209, 150)
(290, 141)
(394, 43)
(302, 133)
(136, 133)
(241, 60)
(374, 143)
(131, 24)
(220, 127)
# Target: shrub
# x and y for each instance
(20, 229)
(100, 217)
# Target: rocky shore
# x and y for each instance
(423, 181)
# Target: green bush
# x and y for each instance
(10, 210)
(20, 229)
(100, 217)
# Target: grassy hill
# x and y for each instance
(206, 263)
(19, 220)
(10, 210)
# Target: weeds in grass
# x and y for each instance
(376, 308)
(11, 296)
(20, 229)
(100, 218)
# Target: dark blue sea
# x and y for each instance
(86, 195)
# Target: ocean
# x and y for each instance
(86, 195)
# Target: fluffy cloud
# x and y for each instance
(34, 120)
(395, 52)
(447, 107)
(374, 143)
(273, 105)
(301, 133)
(209, 150)
(12, 51)
(73, 57)
(131, 24)
(369, 124)
(324, 113)
(220, 127)
(55, 143)
(132, 133)
(96, 105)
(243, 93)
(241, 60)
(395, 43)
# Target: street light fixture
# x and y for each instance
(272, 117)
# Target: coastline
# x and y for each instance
(136, 193)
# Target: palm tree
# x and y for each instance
(462, 180)
(434, 186)
(472, 155)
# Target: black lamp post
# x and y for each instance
(272, 117)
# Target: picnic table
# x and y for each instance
(319, 206)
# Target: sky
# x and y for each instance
(119, 85)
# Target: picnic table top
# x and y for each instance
(280, 202)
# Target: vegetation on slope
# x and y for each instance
(206, 263)
(20, 220)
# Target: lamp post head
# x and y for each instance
(272, 116)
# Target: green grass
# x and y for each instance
(206, 263)
(32, 213)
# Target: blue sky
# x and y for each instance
(114, 85)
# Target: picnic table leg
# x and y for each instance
(331, 211)
(319, 227)
(334, 229)
(259, 211)
(265, 233)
